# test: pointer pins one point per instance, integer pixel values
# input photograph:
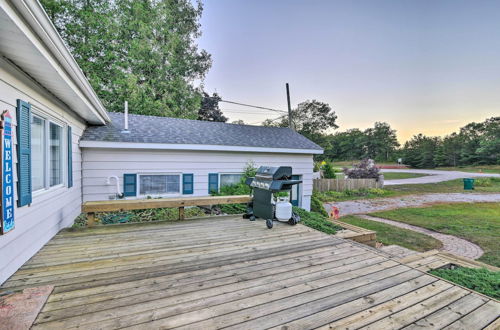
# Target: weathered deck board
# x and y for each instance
(229, 272)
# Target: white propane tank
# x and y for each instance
(283, 209)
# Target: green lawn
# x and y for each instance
(401, 175)
(389, 235)
(490, 185)
(476, 222)
(481, 280)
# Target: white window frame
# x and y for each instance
(220, 175)
(138, 188)
(46, 180)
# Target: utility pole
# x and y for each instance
(290, 122)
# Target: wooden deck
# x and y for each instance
(232, 273)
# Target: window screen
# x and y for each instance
(55, 154)
(158, 184)
(230, 179)
(38, 152)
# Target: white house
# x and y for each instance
(172, 157)
(67, 149)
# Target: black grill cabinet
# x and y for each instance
(267, 181)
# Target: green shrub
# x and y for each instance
(316, 221)
(233, 208)
(332, 196)
(317, 205)
(329, 171)
(481, 280)
(484, 182)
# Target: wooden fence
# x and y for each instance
(321, 185)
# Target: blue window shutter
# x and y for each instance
(23, 153)
(213, 182)
(70, 158)
(187, 184)
(129, 184)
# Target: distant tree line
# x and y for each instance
(474, 144)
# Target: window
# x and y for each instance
(55, 155)
(159, 184)
(38, 152)
(230, 179)
(47, 152)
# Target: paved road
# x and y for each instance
(363, 206)
(452, 244)
(433, 176)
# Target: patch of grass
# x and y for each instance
(475, 222)
(453, 186)
(481, 280)
(401, 175)
(337, 196)
(389, 235)
(473, 169)
(316, 221)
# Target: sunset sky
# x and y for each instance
(422, 66)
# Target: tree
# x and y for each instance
(489, 146)
(140, 51)
(311, 119)
(420, 151)
(209, 109)
(381, 141)
(238, 122)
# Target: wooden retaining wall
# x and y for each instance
(321, 185)
(357, 234)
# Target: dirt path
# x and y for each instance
(381, 204)
(433, 176)
(451, 244)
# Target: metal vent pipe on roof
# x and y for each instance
(125, 119)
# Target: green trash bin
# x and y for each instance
(468, 184)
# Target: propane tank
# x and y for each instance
(283, 209)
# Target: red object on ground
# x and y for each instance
(335, 213)
(19, 310)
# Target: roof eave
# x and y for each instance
(193, 147)
(31, 21)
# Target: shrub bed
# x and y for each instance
(316, 221)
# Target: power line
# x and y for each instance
(271, 120)
(253, 106)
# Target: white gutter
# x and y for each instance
(36, 17)
(199, 147)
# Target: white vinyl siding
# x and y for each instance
(55, 208)
(99, 164)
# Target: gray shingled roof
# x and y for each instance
(150, 129)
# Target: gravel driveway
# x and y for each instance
(433, 176)
(364, 206)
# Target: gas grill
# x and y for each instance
(267, 181)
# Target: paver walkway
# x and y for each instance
(433, 176)
(451, 244)
(364, 206)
